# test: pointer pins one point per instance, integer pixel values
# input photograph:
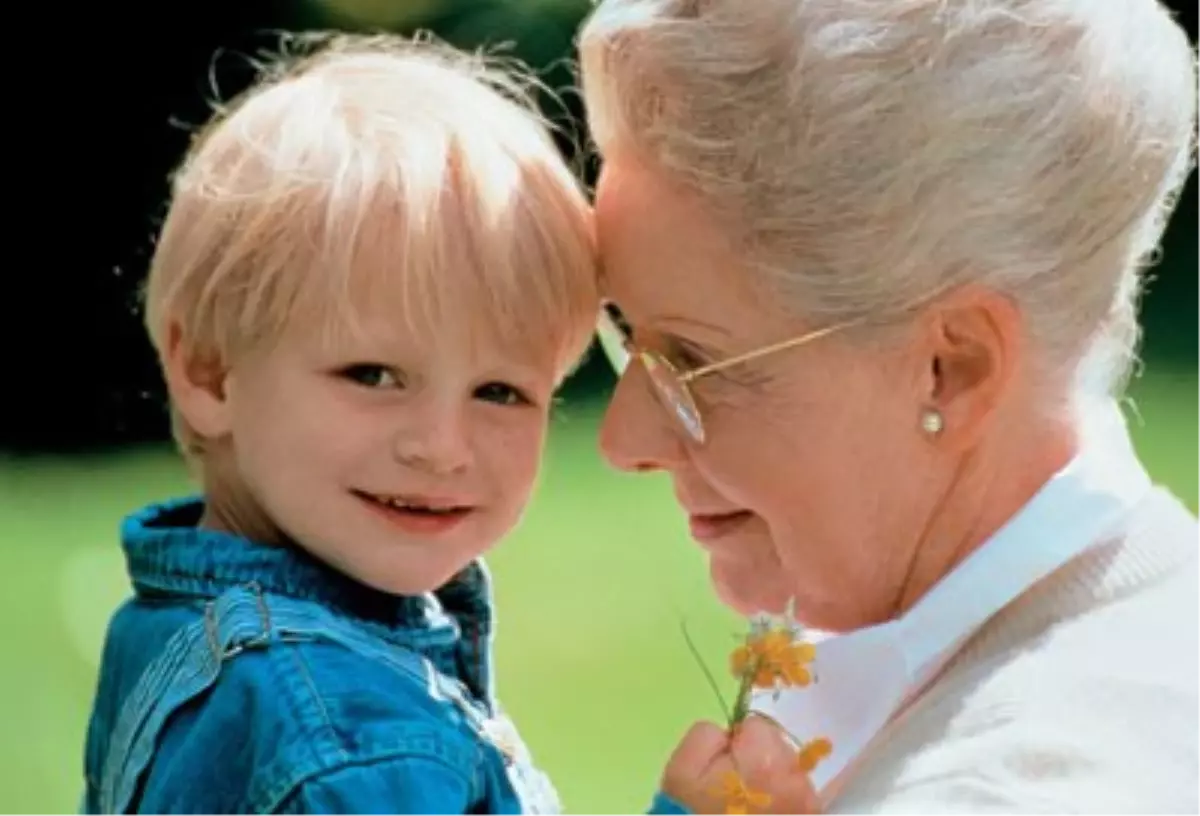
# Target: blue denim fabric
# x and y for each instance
(666, 806)
(248, 679)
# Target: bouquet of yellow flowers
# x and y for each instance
(774, 654)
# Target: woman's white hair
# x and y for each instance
(870, 154)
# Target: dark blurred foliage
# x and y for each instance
(101, 100)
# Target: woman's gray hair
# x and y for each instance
(870, 154)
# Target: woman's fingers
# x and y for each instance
(761, 748)
(766, 757)
(754, 769)
(704, 745)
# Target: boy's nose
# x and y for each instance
(439, 445)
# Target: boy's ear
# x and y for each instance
(197, 383)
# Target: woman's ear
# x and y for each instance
(974, 351)
(197, 384)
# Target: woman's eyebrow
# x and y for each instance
(689, 344)
(667, 325)
(680, 320)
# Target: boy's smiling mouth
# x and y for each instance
(424, 515)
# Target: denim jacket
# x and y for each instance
(248, 679)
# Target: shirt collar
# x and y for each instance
(167, 553)
(864, 676)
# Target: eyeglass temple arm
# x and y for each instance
(720, 365)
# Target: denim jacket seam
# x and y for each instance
(177, 582)
(192, 590)
(276, 795)
(316, 700)
(325, 747)
(326, 744)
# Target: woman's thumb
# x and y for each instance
(689, 767)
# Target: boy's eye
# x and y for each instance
(373, 376)
(502, 394)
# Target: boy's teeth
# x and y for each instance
(400, 504)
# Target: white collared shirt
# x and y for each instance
(865, 676)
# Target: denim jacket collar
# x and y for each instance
(167, 553)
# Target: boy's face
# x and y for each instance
(394, 460)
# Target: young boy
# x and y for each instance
(374, 273)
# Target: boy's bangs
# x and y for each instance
(491, 257)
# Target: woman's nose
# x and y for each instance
(636, 434)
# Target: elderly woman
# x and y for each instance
(874, 265)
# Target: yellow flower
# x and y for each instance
(774, 655)
(738, 797)
(773, 658)
(812, 752)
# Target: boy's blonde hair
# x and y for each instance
(375, 167)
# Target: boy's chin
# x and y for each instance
(410, 582)
(400, 586)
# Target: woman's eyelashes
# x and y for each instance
(684, 354)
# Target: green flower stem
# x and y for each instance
(741, 704)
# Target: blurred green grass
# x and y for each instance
(591, 592)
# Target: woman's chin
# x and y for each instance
(746, 592)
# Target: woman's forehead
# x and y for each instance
(662, 256)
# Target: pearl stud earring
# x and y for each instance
(932, 422)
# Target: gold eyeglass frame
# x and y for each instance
(671, 386)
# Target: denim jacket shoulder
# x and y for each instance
(244, 698)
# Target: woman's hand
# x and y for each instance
(754, 769)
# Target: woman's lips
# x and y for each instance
(711, 527)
